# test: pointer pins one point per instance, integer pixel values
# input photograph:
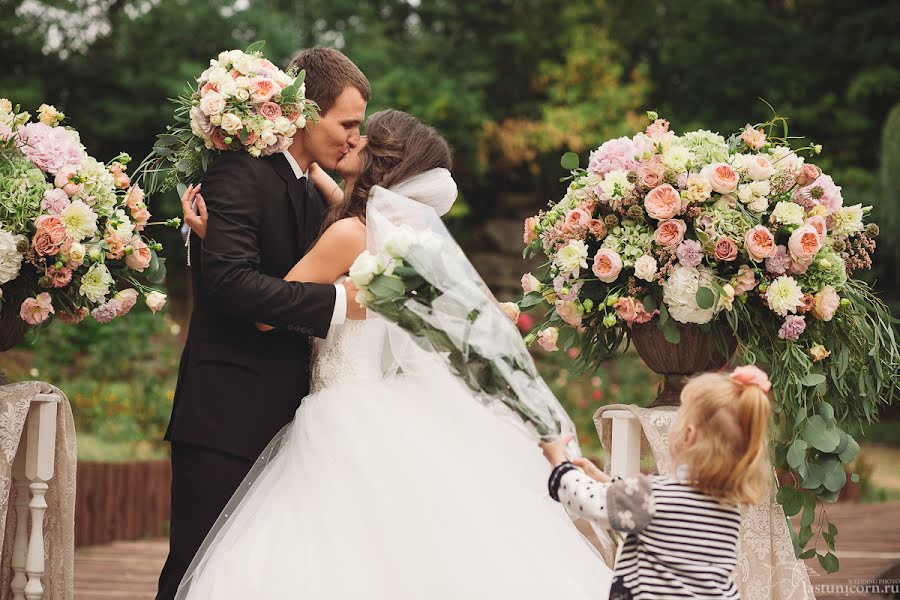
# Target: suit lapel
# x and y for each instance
(297, 197)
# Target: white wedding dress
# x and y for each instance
(394, 488)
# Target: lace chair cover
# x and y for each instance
(767, 568)
(59, 520)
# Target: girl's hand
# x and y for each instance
(195, 215)
(591, 470)
(555, 451)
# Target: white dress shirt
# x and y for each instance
(340, 299)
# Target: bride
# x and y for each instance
(398, 486)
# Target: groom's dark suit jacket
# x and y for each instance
(237, 386)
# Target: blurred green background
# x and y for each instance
(512, 84)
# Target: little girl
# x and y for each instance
(682, 529)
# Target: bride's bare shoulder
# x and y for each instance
(345, 234)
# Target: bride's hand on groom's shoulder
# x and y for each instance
(194, 208)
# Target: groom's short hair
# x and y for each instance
(328, 73)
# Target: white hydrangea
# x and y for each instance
(10, 257)
(788, 213)
(680, 294)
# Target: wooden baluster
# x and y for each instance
(625, 451)
(40, 450)
(20, 545)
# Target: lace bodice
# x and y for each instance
(351, 352)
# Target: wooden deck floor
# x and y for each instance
(868, 546)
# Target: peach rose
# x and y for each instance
(804, 243)
(50, 235)
(262, 89)
(759, 167)
(726, 249)
(269, 111)
(754, 138)
(607, 265)
(662, 202)
(808, 173)
(723, 178)
(819, 224)
(597, 228)
(827, 302)
(650, 176)
(670, 232)
(577, 218)
(531, 224)
(547, 339)
(759, 243)
(140, 258)
(217, 139)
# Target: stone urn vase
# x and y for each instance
(12, 327)
(696, 352)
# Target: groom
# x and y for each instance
(238, 386)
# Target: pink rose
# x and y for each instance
(804, 243)
(262, 89)
(670, 232)
(568, 312)
(754, 138)
(723, 178)
(745, 281)
(60, 277)
(140, 258)
(269, 111)
(50, 235)
(726, 249)
(547, 339)
(651, 174)
(759, 243)
(252, 136)
(663, 202)
(115, 246)
(808, 173)
(607, 265)
(36, 310)
(530, 283)
(597, 228)
(576, 219)
(819, 224)
(752, 375)
(799, 266)
(64, 180)
(531, 224)
(827, 302)
(657, 130)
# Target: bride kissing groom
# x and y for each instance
(375, 485)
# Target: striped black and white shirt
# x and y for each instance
(680, 543)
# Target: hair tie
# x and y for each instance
(751, 375)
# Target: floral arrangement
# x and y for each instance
(71, 228)
(743, 238)
(241, 102)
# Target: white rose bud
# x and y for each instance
(155, 301)
(231, 123)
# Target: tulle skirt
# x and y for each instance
(392, 490)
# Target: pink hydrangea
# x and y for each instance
(617, 154)
(50, 148)
(689, 253)
(793, 327)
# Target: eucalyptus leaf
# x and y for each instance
(829, 562)
(705, 298)
(530, 299)
(813, 379)
(790, 500)
(820, 435)
(569, 161)
(796, 454)
(849, 454)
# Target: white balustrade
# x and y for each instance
(625, 442)
(32, 470)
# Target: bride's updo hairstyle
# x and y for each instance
(398, 147)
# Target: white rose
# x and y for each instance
(5, 105)
(10, 257)
(645, 268)
(228, 88)
(759, 167)
(235, 55)
(216, 120)
(759, 205)
(760, 188)
(218, 76)
(76, 253)
(364, 268)
(301, 121)
(155, 301)
(245, 64)
(242, 94)
(231, 123)
(400, 239)
(745, 193)
(213, 103)
(282, 125)
(268, 137)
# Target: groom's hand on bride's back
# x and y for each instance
(355, 311)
